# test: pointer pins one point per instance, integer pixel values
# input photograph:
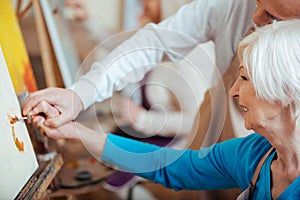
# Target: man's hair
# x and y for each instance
(271, 55)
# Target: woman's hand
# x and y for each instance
(68, 130)
(92, 140)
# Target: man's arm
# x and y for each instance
(175, 36)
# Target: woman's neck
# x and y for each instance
(288, 153)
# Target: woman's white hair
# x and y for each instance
(271, 55)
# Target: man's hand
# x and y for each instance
(58, 106)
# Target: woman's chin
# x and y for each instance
(247, 126)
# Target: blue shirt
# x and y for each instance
(229, 164)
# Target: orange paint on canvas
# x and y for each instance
(19, 144)
(14, 49)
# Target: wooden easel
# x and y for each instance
(50, 65)
(37, 185)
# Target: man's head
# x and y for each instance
(269, 10)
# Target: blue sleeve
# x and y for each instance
(220, 166)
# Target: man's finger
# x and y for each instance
(32, 100)
(44, 108)
(48, 109)
(50, 94)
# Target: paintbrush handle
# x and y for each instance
(24, 118)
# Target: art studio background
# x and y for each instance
(61, 41)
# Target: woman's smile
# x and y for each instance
(244, 109)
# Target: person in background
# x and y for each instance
(151, 12)
(268, 93)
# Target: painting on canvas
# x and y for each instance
(17, 159)
(14, 50)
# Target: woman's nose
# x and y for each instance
(234, 91)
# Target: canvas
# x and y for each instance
(14, 50)
(17, 159)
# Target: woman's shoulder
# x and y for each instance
(251, 147)
(248, 142)
(243, 154)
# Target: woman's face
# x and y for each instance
(269, 10)
(259, 114)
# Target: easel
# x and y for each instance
(50, 66)
(36, 187)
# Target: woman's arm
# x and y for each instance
(225, 165)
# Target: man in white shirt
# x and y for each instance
(223, 22)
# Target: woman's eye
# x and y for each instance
(244, 78)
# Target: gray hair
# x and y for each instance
(271, 55)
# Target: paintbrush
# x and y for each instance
(24, 118)
(17, 119)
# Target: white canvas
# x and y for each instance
(16, 167)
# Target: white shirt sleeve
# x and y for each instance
(194, 23)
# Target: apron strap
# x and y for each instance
(257, 171)
(259, 166)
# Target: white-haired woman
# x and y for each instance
(268, 92)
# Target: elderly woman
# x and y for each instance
(268, 92)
